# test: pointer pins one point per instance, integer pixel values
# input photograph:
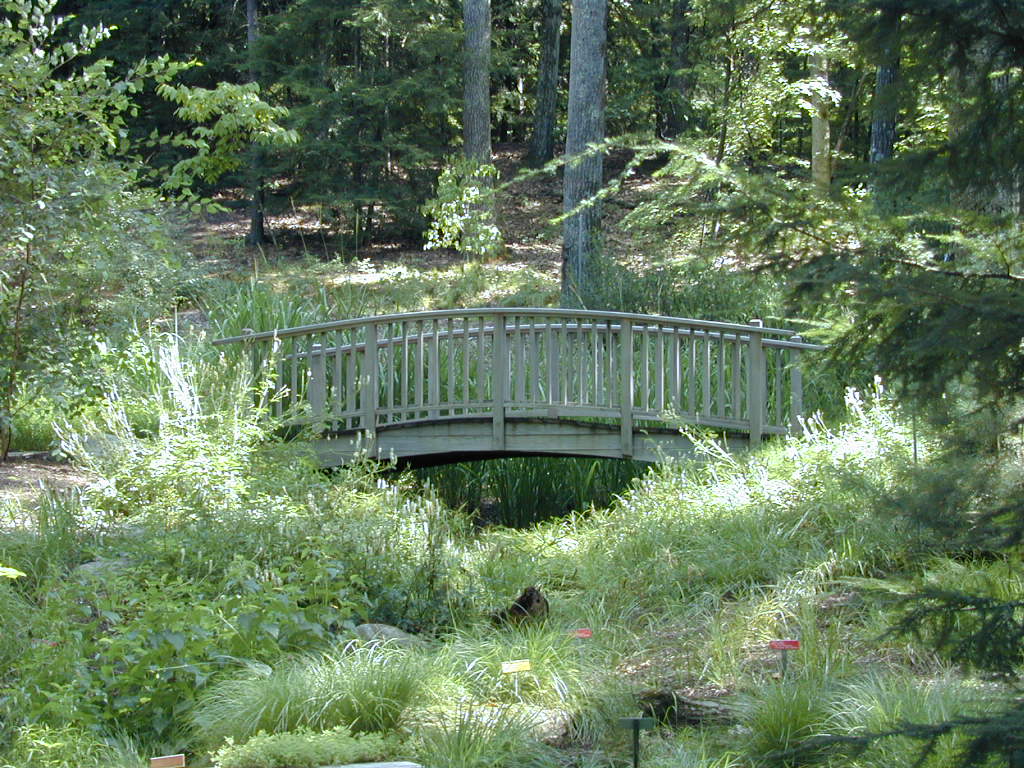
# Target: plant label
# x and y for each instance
(167, 761)
(509, 667)
(784, 645)
(583, 634)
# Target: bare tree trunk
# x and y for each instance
(677, 87)
(256, 235)
(821, 140)
(883, 107)
(583, 170)
(476, 110)
(542, 143)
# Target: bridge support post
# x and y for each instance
(499, 388)
(796, 386)
(626, 382)
(756, 389)
(317, 384)
(371, 389)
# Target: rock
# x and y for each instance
(99, 447)
(674, 707)
(101, 569)
(550, 725)
(383, 633)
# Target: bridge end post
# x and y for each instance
(756, 389)
(796, 386)
(317, 384)
(626, 384)
(370, 389)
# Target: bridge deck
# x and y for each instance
(425, 385)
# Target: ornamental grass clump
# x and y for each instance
(366, 689)
(304, 748)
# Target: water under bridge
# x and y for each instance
(441, 386)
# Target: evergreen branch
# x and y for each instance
(957, 273)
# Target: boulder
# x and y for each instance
(384, 633)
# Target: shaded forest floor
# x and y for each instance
(526, 211)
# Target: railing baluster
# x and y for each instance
(449, 367)
(535, 372)
(465, 363)
(691, 380)
(659, 349)
(434, 371)
(500, 386)
(674, 388)
(337, 392)
(406, 373)
(351, 385)
(519, 370)
(779, 418)
(720, 373)
(737, 379)
(391, 368)
(755, 383)
(294, 393)
(551, 349)
(626, 388)
(706, 379)
(316, 388)
(645, 368)
(370, 392)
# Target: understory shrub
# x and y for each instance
(43, 746)
(304, 748)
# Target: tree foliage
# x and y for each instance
(82, 244)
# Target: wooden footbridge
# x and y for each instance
(434, 387)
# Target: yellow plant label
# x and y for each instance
(522, 665)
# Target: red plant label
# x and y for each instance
(784, 645)
(583, 634)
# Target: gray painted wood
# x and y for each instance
(420, 385)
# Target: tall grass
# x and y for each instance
(365, 689)
(520, 492)
(482, 737)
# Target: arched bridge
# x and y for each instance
(440, 386)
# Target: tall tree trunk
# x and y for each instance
(476, 110)
(821, 139)
(883, 106)
(677, 87)
(583, 175)
(542, 143)
(256, 235)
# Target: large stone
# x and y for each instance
(384, 633)
(101, 569)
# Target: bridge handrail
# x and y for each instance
(456, 332)
(335, 325)
(370, 372)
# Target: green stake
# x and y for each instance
(636, 723)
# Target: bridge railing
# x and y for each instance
(637, 370)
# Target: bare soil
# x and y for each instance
(24, 477)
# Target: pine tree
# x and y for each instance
(583, 170)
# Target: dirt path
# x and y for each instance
(24, 476)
